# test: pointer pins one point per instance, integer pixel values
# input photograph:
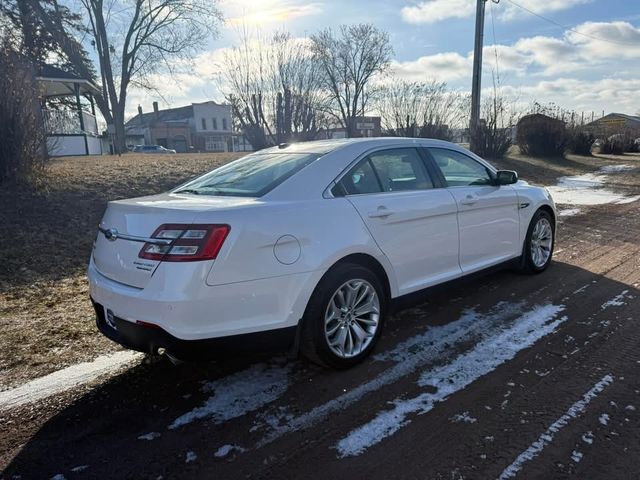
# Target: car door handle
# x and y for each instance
(382, 212)
(469, 200)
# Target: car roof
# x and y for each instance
(322, 147)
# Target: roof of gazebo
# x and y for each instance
(57, 82)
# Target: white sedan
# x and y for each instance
(305, 245)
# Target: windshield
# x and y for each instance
(251, 176)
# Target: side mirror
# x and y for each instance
(506, 177)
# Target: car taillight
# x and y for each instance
(190, 242)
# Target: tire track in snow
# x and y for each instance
(545, 438)
(409, 356)
(483, 358)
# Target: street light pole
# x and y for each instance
(477, 69)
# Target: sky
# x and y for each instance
(584, 55)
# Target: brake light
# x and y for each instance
(190, 242)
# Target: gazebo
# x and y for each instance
(68, 111)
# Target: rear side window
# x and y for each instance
(251, 176)
(459, 169)
(400, 169)
(395, 170)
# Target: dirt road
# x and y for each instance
(504, 376)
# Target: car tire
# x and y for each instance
(344, 317)
(539, 243)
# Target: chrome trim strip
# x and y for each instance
(112, 235)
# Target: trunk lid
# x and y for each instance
(118, 258)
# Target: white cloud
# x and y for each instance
(432, 11)
(263, 12)
(443, 66)
(509, 11)
(607, 40)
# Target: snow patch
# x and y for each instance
(616, 301)
(630, 408)
(79, 468)
(240, 393)
(545, 438)
(588, 437)
(587, 189)
(225, 450)
(149, 436)
(463, 417)
(576, 456)
(409, 356)
(58, 476)
(604, 419)
(65, 379)
(191, 457)
(568, 212)
(452, 377)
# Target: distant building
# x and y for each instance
(202, 127)
(614, 123)
(363, 127)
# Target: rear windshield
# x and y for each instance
(251, 176)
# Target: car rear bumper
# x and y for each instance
(149, 338)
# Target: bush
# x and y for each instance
(618, 144)
(491, 142)
(22, 136)
(541, 136)
(580, 142)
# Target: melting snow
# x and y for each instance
(452, 377)
(587, 189)
(409, 356)
(630, 408)
(604, 419)
(240, 393)
(79, 468)
(616, 301)
(568, 212)
(576, 456)
(463, 417)
(149, 436)
(545, 438)
(191, 457)
(588, 437)
(225, 450)
(66, 379)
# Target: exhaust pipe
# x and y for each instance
(164, 353)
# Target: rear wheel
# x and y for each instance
(343, 319)
(539, 243)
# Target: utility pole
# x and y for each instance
(477, 69)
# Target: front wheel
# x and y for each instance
(344, 317)
(539, 243)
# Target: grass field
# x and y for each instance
(46, 319)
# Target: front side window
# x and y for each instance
(459, 169)
(251, 176)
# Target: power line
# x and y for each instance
(495, 46)
(569, 29)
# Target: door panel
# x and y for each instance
(414, 224)
(488, 217)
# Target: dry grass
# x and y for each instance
(46, 319)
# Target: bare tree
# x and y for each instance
(22, 136)
(421, 109)
(273, 86)
(350, 59)
(136, 38)
(493, 137)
